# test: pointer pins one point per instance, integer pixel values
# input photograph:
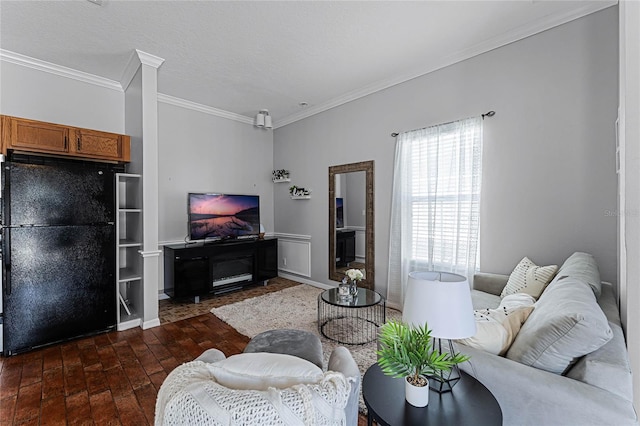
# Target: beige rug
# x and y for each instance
(294, 307)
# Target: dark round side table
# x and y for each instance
(470, 403)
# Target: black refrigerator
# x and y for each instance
(58, 251)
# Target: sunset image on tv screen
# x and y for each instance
(223, 216)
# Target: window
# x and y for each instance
(436, 202)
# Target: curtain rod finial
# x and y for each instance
(488, 114)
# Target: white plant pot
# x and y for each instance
(416, 396)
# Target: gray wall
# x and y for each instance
(549, 174)
(199, 152)
(39, 95)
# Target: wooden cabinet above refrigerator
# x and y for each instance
(30, 136)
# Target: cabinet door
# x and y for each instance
(267, 259)
(90, 143)
(38, 137)
(350, 249)
(191, 276)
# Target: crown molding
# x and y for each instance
(172, 100)
(517, 34)
(37, 64)
(137, 58)
(130, 70)
(149, 59)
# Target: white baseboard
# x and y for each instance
(150, 324)
(126, 325)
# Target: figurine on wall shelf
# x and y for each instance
(280, 175)
(297, 191)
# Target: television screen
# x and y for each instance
(339, 213)
(223, 216)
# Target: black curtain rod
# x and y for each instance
(486, 114)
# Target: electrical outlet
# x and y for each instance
(284, 261)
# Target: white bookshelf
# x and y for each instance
(128, 260)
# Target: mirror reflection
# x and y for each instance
(351, 221)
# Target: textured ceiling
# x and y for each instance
(242, 56)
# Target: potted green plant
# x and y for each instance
(407, 351)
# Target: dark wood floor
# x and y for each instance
(109, 379)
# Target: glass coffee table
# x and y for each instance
(352, 323)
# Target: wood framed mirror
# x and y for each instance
(351, 217)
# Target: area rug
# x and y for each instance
(294, 307)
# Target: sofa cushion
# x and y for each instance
(567, 323)
(496, 328)
(490, 283)
(607, 367)
(482, 300)
(529, 278)
(583, 267)
(262, 370)
(608, 303)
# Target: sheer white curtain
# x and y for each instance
(435, 210)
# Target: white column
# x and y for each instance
(140, 81)
(150, 251)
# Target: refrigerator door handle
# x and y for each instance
(6, 260)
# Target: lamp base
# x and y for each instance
(445, 381)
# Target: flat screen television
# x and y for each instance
(223, 216)
(339, 213)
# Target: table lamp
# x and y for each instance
(442, 300)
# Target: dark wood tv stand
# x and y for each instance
(198, 269)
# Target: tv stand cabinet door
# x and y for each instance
(191, 276)
(267, 259)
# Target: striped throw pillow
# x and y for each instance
(529, 278)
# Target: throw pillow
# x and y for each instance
(497, 328)
(566, 325)
(261, 370)
(517, 300)
(527, 277)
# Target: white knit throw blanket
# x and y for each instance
(191, 396)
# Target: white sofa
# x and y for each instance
(545, 378)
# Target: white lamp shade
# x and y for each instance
(441, 300)
(260, 120)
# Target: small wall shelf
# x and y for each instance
(281, 180)
(300, 197)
